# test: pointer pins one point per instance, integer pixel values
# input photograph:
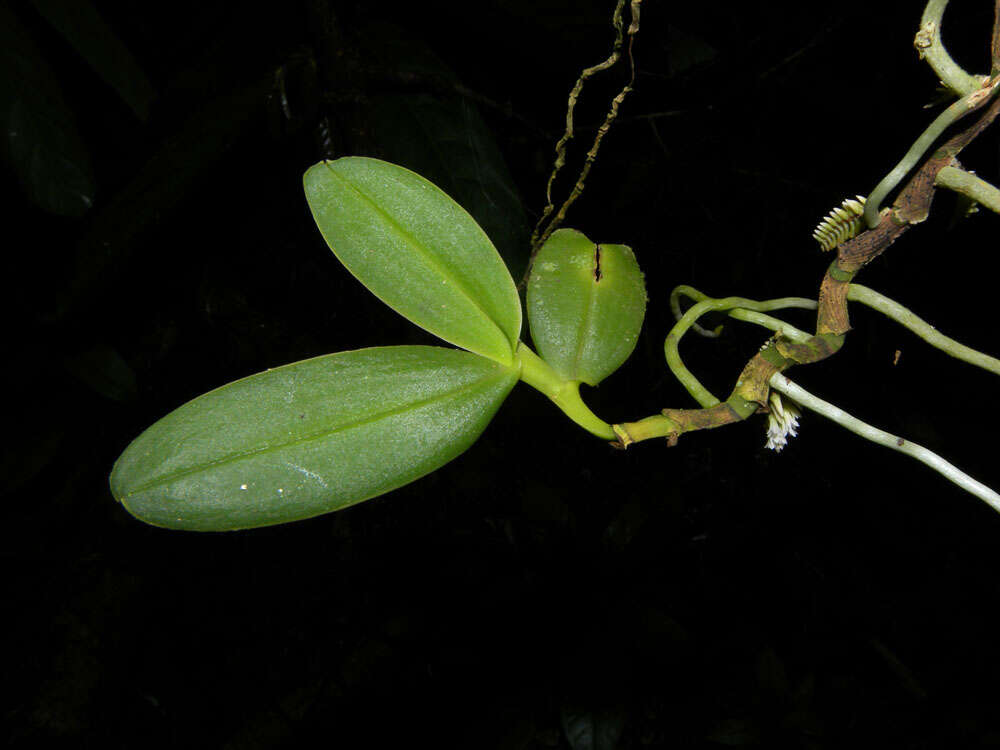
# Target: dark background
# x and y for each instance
(711, 594)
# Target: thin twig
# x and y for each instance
(547, 225)
(574, 95)
(995, 46)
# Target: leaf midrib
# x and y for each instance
(408, 237)
(180, 474)
(588, 315)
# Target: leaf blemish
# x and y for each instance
(597, 263)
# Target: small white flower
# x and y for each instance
(782, 422)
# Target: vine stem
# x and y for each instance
(895, 311)
(971, 101)
(782, 384)
(931, 48)
(995, 44)
(707, 304)
(777, 325)
(970, 186)
(574, 95)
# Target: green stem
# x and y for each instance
(898, 313)
(670, 350)
(675, 421)
(707, 304)
(780, 327)
(645, 429)
(971, 186)
(941, 123)
(781, 383)
(563, 393)
(930, 47)
(693, 294)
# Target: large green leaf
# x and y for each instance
(586, 303)
(418, 251)
(309, 438)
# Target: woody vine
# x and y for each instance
(320, 435)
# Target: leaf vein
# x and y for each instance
(457, 282)
(181, 473)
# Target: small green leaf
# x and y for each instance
(586, 303)
(309, 438)
(418, 251)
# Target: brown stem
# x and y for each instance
(911, 206)
(995, 47)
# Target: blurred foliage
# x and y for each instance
(93, 40)
(42, 144)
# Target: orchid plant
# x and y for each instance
(323, 434)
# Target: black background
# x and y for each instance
(710, 594)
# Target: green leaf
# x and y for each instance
(82, 26)
(42, 142)
(586, 303)
(309, 438)
(418, 251)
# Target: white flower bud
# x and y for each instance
(782, 421)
